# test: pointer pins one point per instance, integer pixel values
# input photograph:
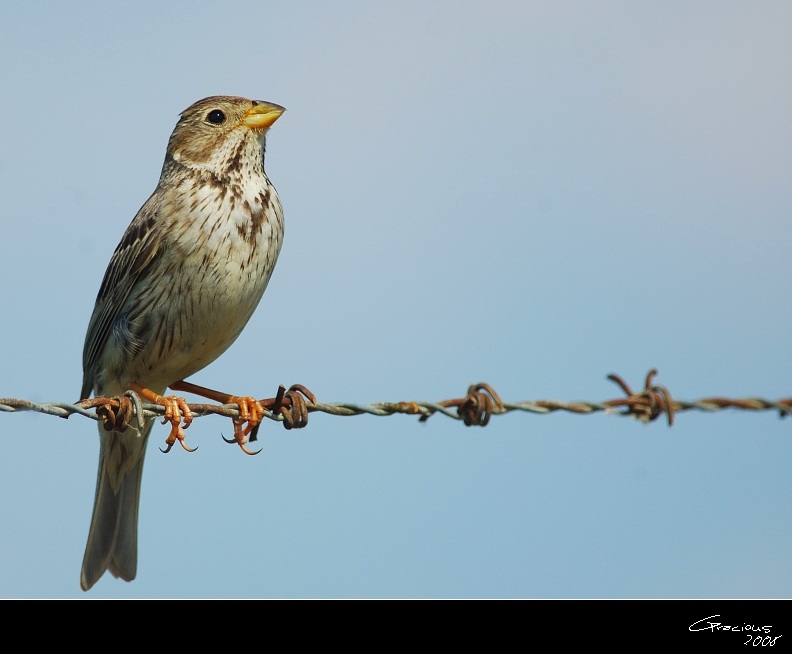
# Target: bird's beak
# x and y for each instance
(262, 115)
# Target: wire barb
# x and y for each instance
(476, 408)
(292, 407)
(652, 402)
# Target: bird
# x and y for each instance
(183, 282)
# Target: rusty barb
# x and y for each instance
(476, 408)
(115, 413)
(650, 403)
(291, 407)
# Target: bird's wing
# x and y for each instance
(137, 250)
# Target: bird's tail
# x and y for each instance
(112, 538)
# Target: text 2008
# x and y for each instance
(762, 641)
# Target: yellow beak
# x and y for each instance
(262, 115)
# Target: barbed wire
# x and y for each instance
(292, 406)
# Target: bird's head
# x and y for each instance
(219, 128)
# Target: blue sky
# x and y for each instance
(530, 194)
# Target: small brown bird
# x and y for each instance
(182, 284)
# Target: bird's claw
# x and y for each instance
(177, 435)
(250, 416)
(178, 414)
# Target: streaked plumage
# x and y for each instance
(182, 284)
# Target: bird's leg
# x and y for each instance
(177, 413)
(250, 410)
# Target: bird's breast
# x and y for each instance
(217, 257)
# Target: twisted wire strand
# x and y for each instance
(476, 408)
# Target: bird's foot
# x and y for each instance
(246, 423)
(250, 416)
(177, 413)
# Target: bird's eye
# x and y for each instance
(216, 117)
